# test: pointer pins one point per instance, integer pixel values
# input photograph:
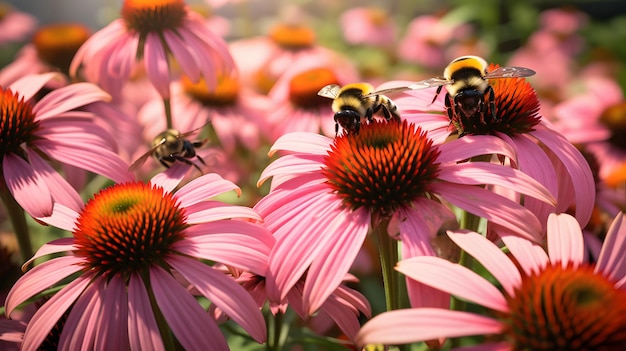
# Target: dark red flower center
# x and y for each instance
(153, 16)
(567, 309)
(128, 228)
(386, 166)
(17, 123)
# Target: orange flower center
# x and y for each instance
(56, 44)
(516, 109)
(127, 228)
(292, 36)
(386, 166)
(304, 86)
(614, 118)
(377, 17)
(146, 16)
(567, 309)
(17, 123)
(225, 93)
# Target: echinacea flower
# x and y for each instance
(368, 26)
(33, 133)
(547, 301)
(51, 49)
(15, 25)
(153, 33)
(327, 193)
(127, 242)
(540, 151)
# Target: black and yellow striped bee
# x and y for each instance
(355, 101)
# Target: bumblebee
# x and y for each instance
(355, 101)
(171, 146)
(466, 81)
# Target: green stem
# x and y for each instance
(388, 253)
(167, 105)
(276, 333)
(18, 220)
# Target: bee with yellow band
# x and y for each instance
(466, 81)
(355, 101)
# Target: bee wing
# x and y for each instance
(330, 91)
(186, 134)
(510, 72)
(428, 83)
(142, 159)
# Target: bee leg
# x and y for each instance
(369, 114)
(187, 161)
(437, 94)
(336, 128)
(492, 103)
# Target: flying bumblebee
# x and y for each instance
(466, 81)
(355, 101)
(171, 146)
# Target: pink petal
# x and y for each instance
(94, 44)
(565, 240)
(23, 182)
(290, 165)
(490, 256)
(29, 85)
(326, 274)
(454, 279)
(337, 310)
(170, 179)
(474, 145)
(300, 142)
(531, 257)
(578, 169)
(612, 260)
(191, 325)
(54, 246)
(210, 211)
(492, 207)
(204, 187)
(83, 318)
(62, 217)
(69, 98)
(185, 56)
(40, 278)
(421, 324)
(143, 331)
(47, 315)
(112, 328)
(224, 292)
(60, 190)
(157, 68)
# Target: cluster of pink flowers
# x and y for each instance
(171, 189)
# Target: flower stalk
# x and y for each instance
(18, 220)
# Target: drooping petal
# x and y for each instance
(224, 292)
(490, 256)
(326, 274)
(29, 85)
(474, 145)
(210, 211)
(40, 278)
(291, 164)
(68, 98)
(492, 207)
(112, 328)
(565, 240)
(185, 56)
(204, 187)
(612, 260)
(143, 331)
(23, 181)
(191, 325)
(54, 246)
(79, 331)
(421, 324)
(531, 257)
(476, 173)
(156, 64)
(49, 314)
(454, 279)
(578, 170)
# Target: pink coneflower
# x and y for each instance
(33, 133)
(52, 49)
(153, 33)
(553, 301)
(127, 242)
(15, 25)
(368, 26)
(327, 194)
(540, 151)
(295, 104)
